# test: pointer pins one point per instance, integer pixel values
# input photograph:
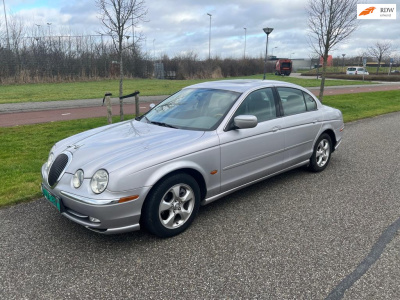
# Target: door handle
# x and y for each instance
(275, 129)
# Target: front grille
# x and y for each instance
(57, 168)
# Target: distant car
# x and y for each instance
(395, 71)
(200, 144)
(356, 71)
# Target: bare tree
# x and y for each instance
(379, 50)
(17, 31)
(1, 31)
(330, 22)
(118, 16)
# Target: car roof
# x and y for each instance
(240, 85)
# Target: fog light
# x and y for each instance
(94, 220)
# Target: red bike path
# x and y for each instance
(9, 119)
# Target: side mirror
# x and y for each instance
(152, 105)
(245, 121)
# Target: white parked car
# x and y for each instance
(356, 71)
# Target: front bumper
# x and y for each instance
(110, 216)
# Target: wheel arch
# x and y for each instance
(151, 217)
(191, 172)
(332, 135)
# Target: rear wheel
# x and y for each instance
(171, 206)
(321, 154)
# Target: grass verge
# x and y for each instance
(365, 105)
(24, 149)
(147, 87)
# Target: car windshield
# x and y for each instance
(192, 109)
(351, 69)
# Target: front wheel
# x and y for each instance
(321, 154)
(171, 205)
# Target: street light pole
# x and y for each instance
(154, 49)
(343, 62)
(267, 32)
(273, 51)
(5, 17)
(49, 24)
(209, 39)
(245, 37)
(38, 28)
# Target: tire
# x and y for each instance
(171, 206)
(321, 154)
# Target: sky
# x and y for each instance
(177, 27)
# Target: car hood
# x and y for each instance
(128, 143)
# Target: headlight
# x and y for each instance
(77, 179)
(99, 181)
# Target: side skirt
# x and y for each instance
(216, 197)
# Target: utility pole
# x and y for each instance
(5, 16)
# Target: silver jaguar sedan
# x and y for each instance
(200, 144)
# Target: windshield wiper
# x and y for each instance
(161, 124)
(156, 123)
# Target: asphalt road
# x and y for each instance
(296, 236)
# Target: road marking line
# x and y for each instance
(375, 253)
(66, 114)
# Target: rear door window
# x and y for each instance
(292, 101)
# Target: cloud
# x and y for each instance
(181, 26)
